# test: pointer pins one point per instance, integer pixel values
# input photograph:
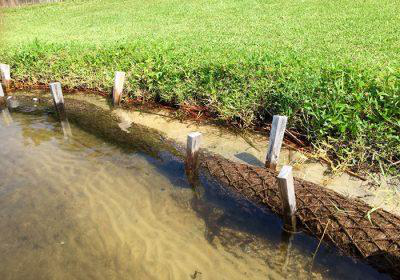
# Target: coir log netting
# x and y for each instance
(350, 224)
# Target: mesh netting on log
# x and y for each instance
(350, 224)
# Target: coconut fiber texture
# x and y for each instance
(350, 224)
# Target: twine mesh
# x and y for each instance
(350, 224)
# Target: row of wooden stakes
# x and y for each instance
(278, 127)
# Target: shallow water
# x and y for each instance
(80, 208)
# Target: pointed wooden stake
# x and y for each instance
(58, 99)
(5, 77)
(288, 197)
(275, 141)
(118, 87)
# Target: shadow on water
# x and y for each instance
(232, 221)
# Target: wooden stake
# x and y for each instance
(58, 99)
(5, 76)
(193, 147)
(288, 197)
(118, 87)
(191, 164)
(275, 141)
(192, 151)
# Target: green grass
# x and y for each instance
(332, 66)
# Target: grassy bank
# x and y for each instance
(332, 66)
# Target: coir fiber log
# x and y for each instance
(349, 224)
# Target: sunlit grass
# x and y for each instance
(332, 66)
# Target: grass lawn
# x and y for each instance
(332, 66)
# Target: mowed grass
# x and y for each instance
(320, 31)
(332, 66)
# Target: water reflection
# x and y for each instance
(286, 248)
(6, 116)
(30, 129)
(66, 128)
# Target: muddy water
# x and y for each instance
(80, 208)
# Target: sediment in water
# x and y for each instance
(105, 125)
(351, 225)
